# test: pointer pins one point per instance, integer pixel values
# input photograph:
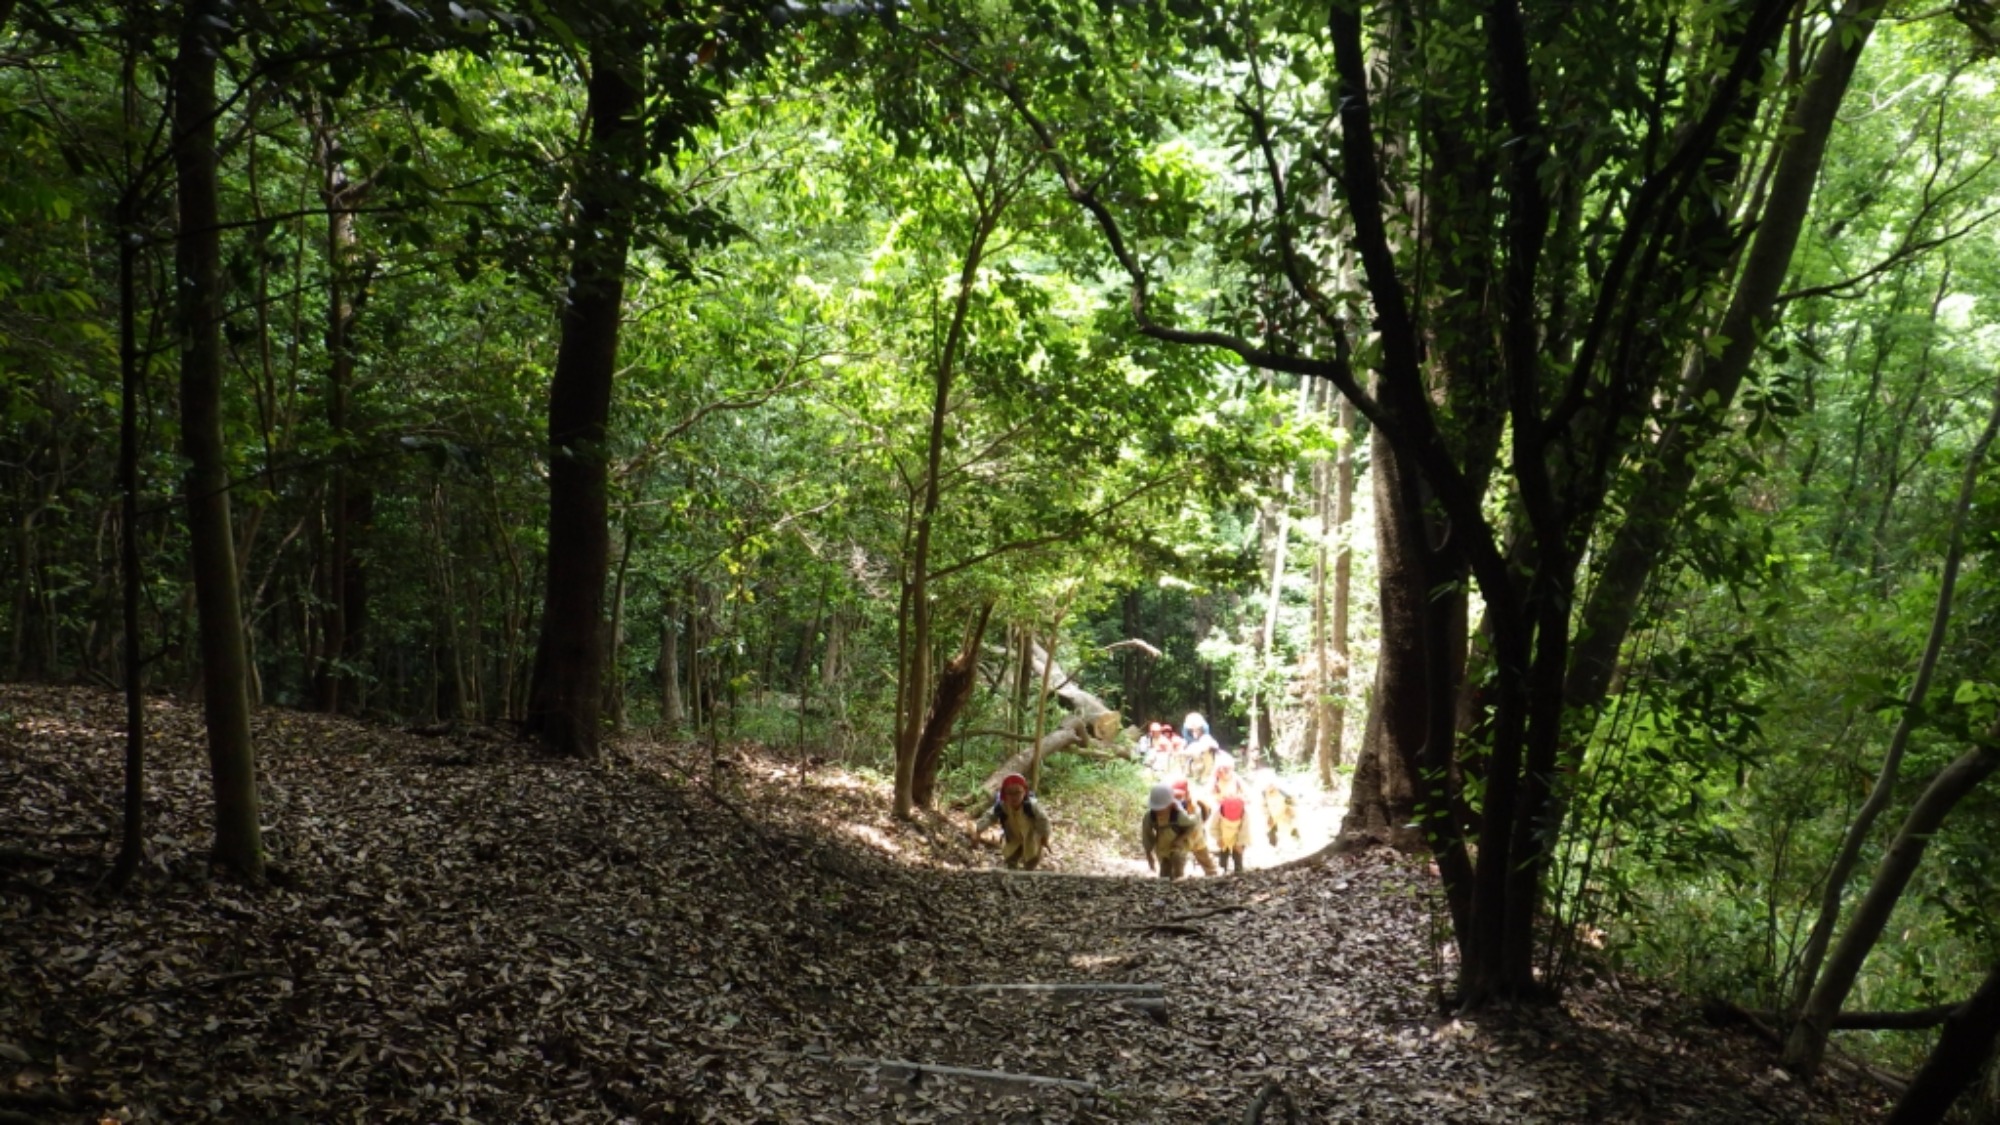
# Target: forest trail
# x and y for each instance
(461, 931)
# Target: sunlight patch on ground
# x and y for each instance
(874, 837)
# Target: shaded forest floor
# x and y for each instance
(460, 931)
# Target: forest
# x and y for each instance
(532, 531)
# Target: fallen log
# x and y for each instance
(913, 1072)
(1091, 721)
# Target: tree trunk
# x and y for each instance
(1967, 1044)
(131, 370)
(948, 700)
(1132, 666)
(1330, 751)
(350, 503)
(914, 631)
(198, 277)
(836, 629)
(1640, 540)
(670, 668)
(1806, 1044)
(567, 689)
(614, 681)
(1382, 805)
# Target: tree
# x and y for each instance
(1821, 995)
(628, 125)
(224, 665)
(566, 693)
(1593, 248)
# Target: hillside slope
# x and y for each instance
(460, 931)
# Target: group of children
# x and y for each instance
(1199, 798)
(1201, 808)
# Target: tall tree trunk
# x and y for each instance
(1343, 593)
(131, 371)
(567, 689)
(1382, 804)
(1640, 541)
(914, 666)
(1319, 710)
(198, 277)
(1262, 728)
(350, 502)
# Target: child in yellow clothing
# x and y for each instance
(1024, 827)
(1232, 817)
(1167, 833)
(1203, 812)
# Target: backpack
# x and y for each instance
(999, 813)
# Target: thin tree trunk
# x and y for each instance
(1042, 710)
(1808, 1036)
(915, 666)
(614, 680)
(670, 668)
(198, 275)
(1343, 588)
(132, 840)
(1807, 1043)
(1967, 1044)
(350, 502)
(829, 669)
(1262, 728)
(1319, 712)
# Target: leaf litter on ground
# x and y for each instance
(459, 930)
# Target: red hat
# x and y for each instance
(1013, 779)
(1180, 787)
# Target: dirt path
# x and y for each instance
(462, 932)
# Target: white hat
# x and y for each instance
(1194, 721)
(1161, 797)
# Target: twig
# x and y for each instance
(912, 1072)
(1058, 989)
